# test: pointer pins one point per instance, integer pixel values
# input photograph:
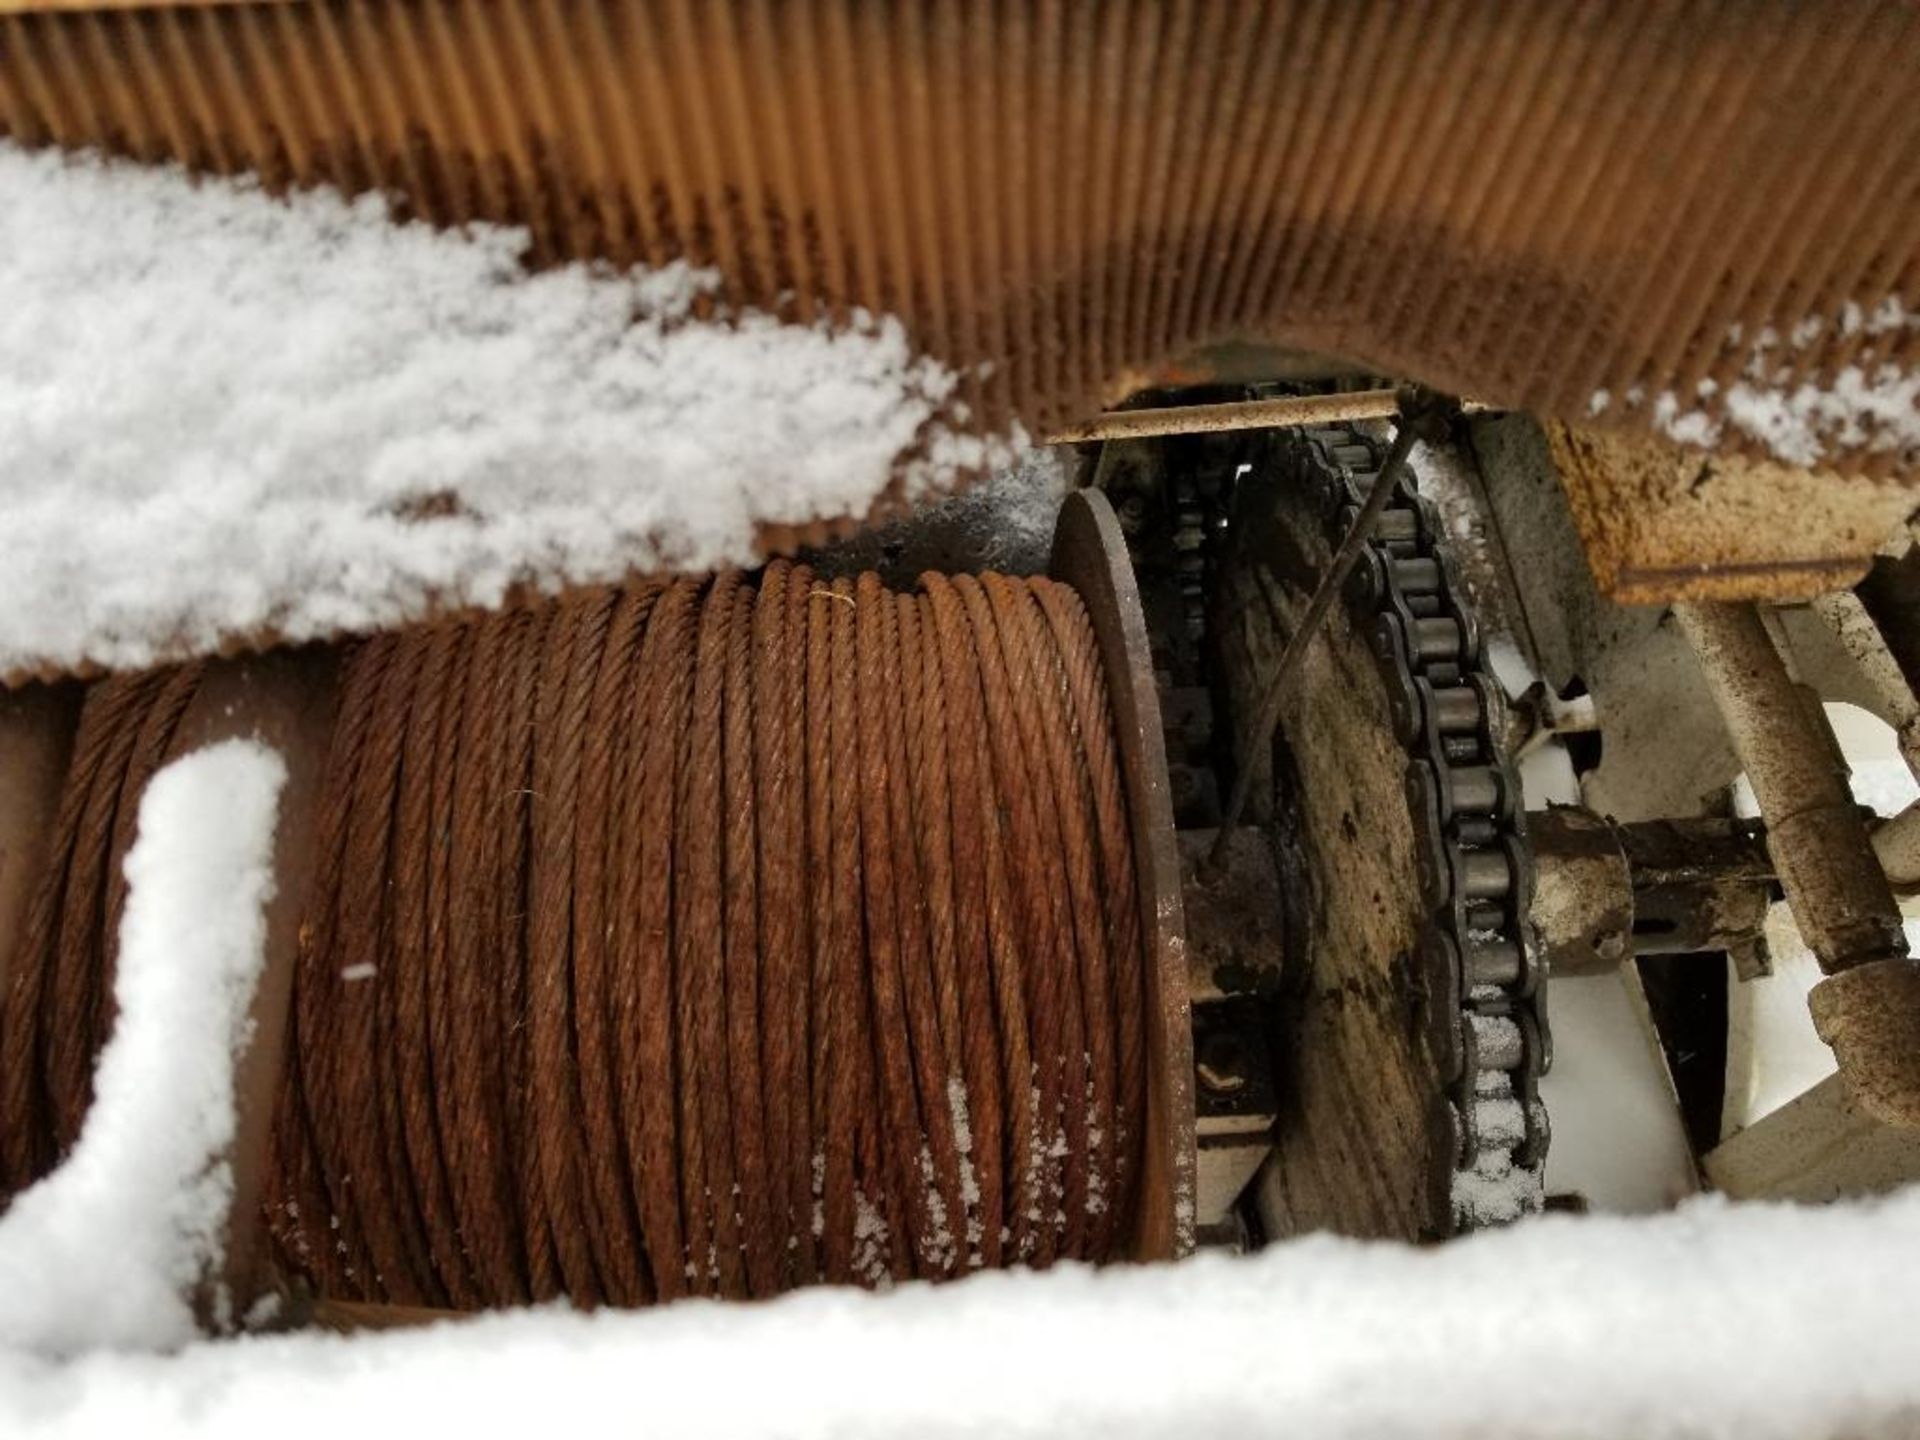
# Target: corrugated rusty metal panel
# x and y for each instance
(23, 7)
(1528, 204)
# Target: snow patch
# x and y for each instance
(1494, 1190)
(1867, 407)
(872, 1241)
(224, 415)
(107, 1250)
(1697, 1323)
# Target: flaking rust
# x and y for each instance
(1662, 522)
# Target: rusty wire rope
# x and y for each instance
(703, 938)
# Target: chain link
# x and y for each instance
(1478, 969)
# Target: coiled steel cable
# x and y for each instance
(706, 938)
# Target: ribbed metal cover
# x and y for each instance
(1526, 203)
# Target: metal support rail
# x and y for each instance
(1277, 412)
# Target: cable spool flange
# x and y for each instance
(1090, 554)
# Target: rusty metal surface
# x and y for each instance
(1090, 554)
(995, 177)
(1410, 1029)
(351, 1317)
(1701, 884)
(1815, 833)
(1604, 892)
(1877, 667)
(1666, 752)
(1870, 1016)
(1352, 1080)
(36, 736)
(1663, 522)
(1235, 944)
(830, 160)
(284, 700)
(1582, 891)
(1327, 587)
(1868, 1008)
(29, 7)
(1280, 410)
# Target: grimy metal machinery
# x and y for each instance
(861, 927)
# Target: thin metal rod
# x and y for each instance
(1295, 653)
(1280, 411)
